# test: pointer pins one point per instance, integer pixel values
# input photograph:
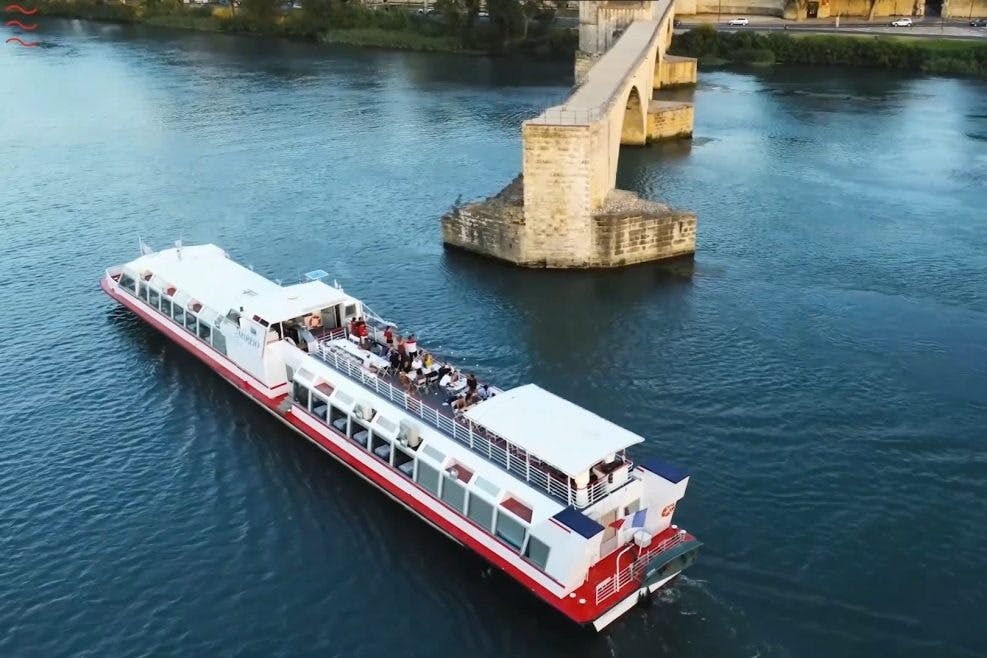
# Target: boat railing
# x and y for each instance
(634, 571)
(478, 439)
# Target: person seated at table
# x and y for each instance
(450, 379)
(405, 381)
(465, 402)
(471, 382)
(411, 345)
(416, 363)
(443, 370)
(483, 392)
(427, 360)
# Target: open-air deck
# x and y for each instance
(425, 399)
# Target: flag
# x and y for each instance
(631, 521)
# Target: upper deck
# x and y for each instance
(556, 447)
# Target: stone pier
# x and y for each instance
(564, 211)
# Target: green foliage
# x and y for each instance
(513, 26)
(911, 54)
(258, 14)
(91, 10)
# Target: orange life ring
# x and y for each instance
(668, 509)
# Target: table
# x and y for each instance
(366, 357)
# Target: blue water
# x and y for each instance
(820, 368)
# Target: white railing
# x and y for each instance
(633, 571)
(485, 443)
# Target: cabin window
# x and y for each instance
(405, 464)
(428, 477)
(142, 290)
(320, 407)
(219, 340)
(632, 507)
(338, 419)
(537, 552)
(299, 394)
(480, 511)
(350, 310)
(178, 314)
(129, 283)
(381, 447)
(153, 297)
(510, 530)
(453, 492)
(359, 432)
(204, 331)
(166, 306)
(190, 321)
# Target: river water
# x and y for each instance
(821, 367)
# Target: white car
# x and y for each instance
(902, 22)
(739, 21)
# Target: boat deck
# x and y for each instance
(431, 404)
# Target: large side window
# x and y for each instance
(481, 511)
(428, 477)
(219, 340)
(129, 283)
(453, 492)
(153, 297)
(178, 313)
(537, 552)
(510, 530)
(204, 331)
(300, 394)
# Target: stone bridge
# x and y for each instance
(564, 211)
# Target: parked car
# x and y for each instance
(901, 22)
(742, 21)
(979, 22)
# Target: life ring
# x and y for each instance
(668, 509)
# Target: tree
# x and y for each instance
(507, 18)
(262, 12)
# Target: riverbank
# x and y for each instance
(945, 56)
(330, 21)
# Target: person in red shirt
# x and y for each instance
(389, 336)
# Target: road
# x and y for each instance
(924, 27)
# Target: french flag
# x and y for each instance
(631, 521)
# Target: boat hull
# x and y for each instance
(270, 400)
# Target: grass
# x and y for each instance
(380, 38)
(185, 22)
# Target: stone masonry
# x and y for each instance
(563, 212)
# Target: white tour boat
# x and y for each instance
(539, 487)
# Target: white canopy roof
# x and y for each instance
(568, 437)
(206, 274)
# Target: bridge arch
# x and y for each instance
(633, 129)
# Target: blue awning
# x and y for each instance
(673, 474)
(573, 519)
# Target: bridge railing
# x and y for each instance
(562, 116)
(557, 116)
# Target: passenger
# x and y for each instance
(465, 402)
(483, 392)
(411, 345)
(416, 364)
(428, 360)
(471, 383)
(405, 381)
(389, 336)
(395, 359)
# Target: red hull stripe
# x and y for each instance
(580, 613)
